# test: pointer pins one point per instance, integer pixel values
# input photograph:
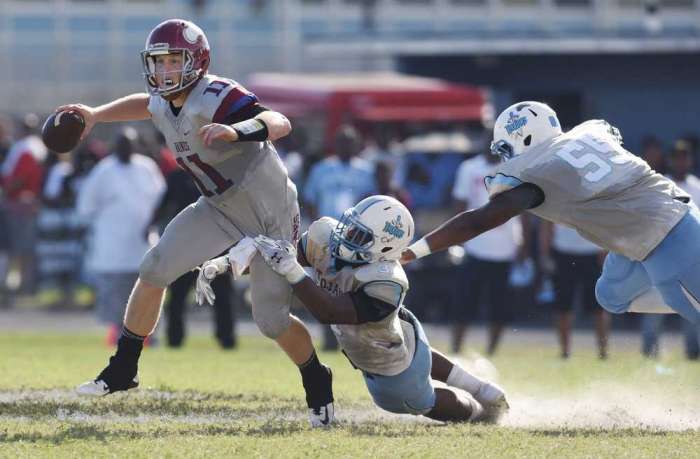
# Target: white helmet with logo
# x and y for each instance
(523, 126)
(378, 228)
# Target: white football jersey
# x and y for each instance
(223, 167)
(384, 347)
(592, 184)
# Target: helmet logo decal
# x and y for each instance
(394, 227)
(515, 124)
(190, 34)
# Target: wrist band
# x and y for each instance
(420, 248)
(296, 275)
(252, 130)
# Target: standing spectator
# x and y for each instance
(488, 257)
(59, 245)
(22, 177)
(181, 191)
(338, 182)
(680, 164)
(574, 263)
(335, 184)
(117, 200)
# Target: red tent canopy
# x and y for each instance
(373, 97)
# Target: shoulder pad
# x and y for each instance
(317, 239)
(320, 230)
(382, 271)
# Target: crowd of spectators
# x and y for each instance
(86, 218)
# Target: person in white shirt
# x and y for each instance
(680, 163)
(574, 264)
(117, 201)
(488, 257)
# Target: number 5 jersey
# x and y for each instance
(592, 184)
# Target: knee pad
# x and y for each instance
(151, 270)
(272, 326)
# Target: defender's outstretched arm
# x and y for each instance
(469, 224)
(326, 308)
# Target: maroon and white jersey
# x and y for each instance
(222, 168)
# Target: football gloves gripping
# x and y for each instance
(281, 256)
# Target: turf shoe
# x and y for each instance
(322, 416)
(117, 376)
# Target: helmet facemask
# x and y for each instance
(502, 149)
(188, 75)
(351, 240)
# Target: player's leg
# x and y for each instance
(674, 267)
(454, 406)
(624, 286)
(175, 308)
(278, 217)
(272, 296)
(488, 394)
(192, 237)
(683, 295)
(412, 391)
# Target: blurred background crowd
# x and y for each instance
(385, 97)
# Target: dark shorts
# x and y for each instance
(483, 282)
(575, 272)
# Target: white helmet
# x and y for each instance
(378, 228)
(522, 126)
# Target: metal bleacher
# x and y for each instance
(54, 51)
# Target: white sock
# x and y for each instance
(461, 379)
(650, 302)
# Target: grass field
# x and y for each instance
(202, 402)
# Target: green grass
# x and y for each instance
(203, 402)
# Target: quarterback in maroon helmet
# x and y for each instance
(222, 136)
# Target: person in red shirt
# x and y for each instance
(22, 176)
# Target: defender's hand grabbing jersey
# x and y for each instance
(592, 184)
(382, 343)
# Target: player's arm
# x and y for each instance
(240, 117)
(258, 124)
(326, 308)
(130, 108)
(469, 224)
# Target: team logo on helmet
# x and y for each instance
(515, 124)
(190, 34)
(394, 227)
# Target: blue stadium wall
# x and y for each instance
(642, 94)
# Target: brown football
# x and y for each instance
(62, 130)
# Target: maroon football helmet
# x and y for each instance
(172, 37)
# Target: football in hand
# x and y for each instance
(62, 130)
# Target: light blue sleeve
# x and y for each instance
(499, 183)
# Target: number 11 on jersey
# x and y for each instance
(222, 184)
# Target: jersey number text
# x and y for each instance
(222, 184)
(601, 161)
